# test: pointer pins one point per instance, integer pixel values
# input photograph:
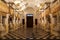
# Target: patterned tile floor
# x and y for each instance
(28, 33)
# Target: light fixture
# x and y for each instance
(38, 5)
(17, 1)
(23, 7)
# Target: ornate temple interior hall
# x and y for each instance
(29, 19)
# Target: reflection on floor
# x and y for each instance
(29, 33)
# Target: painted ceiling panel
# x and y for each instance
(30, 3)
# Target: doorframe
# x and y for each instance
(26, 19)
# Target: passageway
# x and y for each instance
(29, 19)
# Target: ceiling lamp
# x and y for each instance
(23, 7)
(38, 5)
(16, 2)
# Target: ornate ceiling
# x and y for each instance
(23, 4)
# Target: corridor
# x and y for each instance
(29, 19)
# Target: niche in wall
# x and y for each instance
(10, 19)
(23, 21)
(35, 21)
(48, 18)
(3, 20)
(55, 19)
